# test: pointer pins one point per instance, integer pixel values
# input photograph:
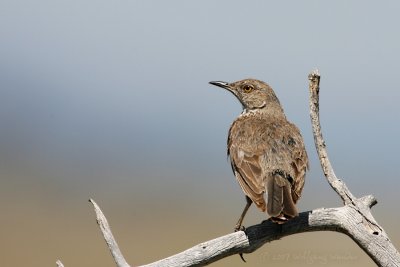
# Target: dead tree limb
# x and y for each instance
(368, 235)
(336, 184)
(108, 236)
(346, 220)
(354, 219)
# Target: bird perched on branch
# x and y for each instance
(266, 151)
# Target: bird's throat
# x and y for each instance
(266, 110)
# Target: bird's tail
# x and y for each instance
(280, 202)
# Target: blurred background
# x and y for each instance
(110, 100)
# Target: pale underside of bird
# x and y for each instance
(266, 151)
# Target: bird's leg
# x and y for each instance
(238, 226)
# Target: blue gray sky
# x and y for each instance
(110, 99)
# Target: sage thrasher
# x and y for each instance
(266, 151)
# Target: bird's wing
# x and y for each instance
(258, 148)
(248, 172)
(298, 159)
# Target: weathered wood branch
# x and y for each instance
(108, 236)
(338, 185)
(353, 219)
(344, 219)
(368, 234)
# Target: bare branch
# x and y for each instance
(344, 219)
(108, 236)
(379, 246)
(253, 238)
(336, 184)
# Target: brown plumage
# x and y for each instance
(267, 152)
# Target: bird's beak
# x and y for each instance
(224, 85)
(228, 87)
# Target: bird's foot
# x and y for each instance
(239, 228)
(281, 219)
(241, 256)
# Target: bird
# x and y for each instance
(266, 152)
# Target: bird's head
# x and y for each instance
(253, 94)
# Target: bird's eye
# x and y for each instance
(248, 88)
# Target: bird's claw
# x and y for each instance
(239, 228)
(241, 256)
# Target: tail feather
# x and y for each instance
(280, 201)
(275, 196)
(289, 208)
